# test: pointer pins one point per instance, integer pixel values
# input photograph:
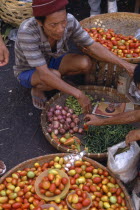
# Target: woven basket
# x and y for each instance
(122, 23)
(15, 12)
(96, 91)
(47, 158)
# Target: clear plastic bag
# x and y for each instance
(124, 165)
(136, 195)
(70, 159)
(137, 34)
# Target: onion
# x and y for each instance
(76, 120)
(50, 125)
(75, 129)
(50, 119)
(66, 127)
(55, 124)
(62, 121)
(64, 117)
(66, 108)
(50, 114)
(70, 111)
(55, 118)
(60, 117)
(57, 112)
(52, 109)
(72, 125)
(80, 130)
(68, 119)
(74, 116)
(71, 131)
(58, 107)
(56, 132)
(60, 125)
(62, 131)
(68, 114)
(64, 112)
(49, 130)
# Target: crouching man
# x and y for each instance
(42, 54)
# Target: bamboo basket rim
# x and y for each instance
(47, 158)
(15, 12)
(116, 15)
(59, 146)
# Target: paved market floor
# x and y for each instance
(21, 137)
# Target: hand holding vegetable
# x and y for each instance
(85, 103)
(133, 135)
(93, 120)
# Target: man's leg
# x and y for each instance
(73, 64)
(37, 91)
(94, 7)
(112, 6)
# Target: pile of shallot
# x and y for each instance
(62, 120)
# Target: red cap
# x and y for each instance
(47, 7)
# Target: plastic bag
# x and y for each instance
(134, 91)
(124, 165)
(136, 195)
(137, 34)
(70, 159)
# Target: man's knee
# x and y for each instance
(86, 64)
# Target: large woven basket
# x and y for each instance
(15, 12)
(47, 158)
(122, 23)
(95, 91)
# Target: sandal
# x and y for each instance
(2, 167)
(38, 102)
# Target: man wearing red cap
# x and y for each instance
(42, 54)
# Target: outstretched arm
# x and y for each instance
(133, 135)
(101, 53)
(125, 118)
(4, 54)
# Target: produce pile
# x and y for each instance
(120, 45)
(99, 138)
(62, 120)
(18, 191)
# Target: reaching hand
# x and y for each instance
(4, 54)
(93, 120)
(85, 103)
(130, 69)
(133, 135)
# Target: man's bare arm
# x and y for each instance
(125, 118)
(50, 79)
(99, 51)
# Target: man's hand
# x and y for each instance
(85, 103)
(93, 120)
(133, 135)
(4, 54)
(130, 69)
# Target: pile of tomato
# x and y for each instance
(18, 192)
(52, 184)
(120, 45)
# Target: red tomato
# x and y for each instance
(86, 202)
(97, 180)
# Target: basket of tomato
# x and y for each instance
(116, 32)
(87, 177)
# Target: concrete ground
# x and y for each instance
(21, 137)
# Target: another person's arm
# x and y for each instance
(4, 54)
(125, 118)
(133, 135)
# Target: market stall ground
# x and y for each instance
(21, 137)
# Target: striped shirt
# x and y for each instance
(32, 48)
